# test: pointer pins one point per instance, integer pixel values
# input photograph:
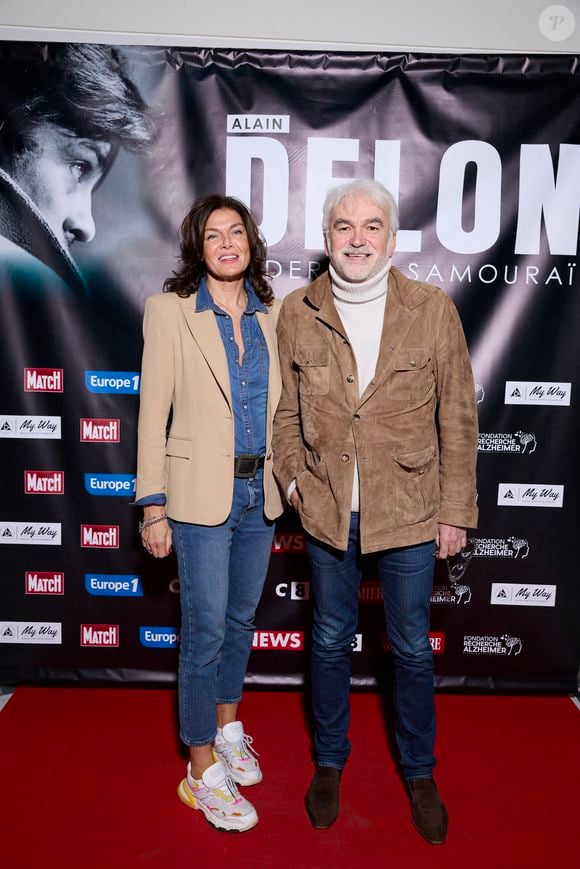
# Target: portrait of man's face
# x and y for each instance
(59, 171)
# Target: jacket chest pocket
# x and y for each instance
(412, 375)
(313, 364)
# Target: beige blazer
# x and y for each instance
(185, 387)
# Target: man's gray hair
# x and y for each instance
(369, 187)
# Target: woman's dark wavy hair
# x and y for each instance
(187, 278)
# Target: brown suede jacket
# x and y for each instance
(413, 432)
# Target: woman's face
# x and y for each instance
(226, 250)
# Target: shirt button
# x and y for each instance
(350, 378)
(345, 457)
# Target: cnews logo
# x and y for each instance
(288, 543)
(44, 482)
(38, 427)
(102, 636)
(114, 584)
(284, 641)
(110, 484)
(28, 633)
(43, 380)
(44, 582)
(101, 431)
(100, 536)
(158, 638)
(112, 382)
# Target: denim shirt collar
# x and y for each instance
(205, 302)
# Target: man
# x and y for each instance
(64, 112)
(375, 441)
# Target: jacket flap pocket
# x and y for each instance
(416, 460)
(180, 447)
(411, 358)
(307, 356)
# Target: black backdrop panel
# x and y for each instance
(483, 154)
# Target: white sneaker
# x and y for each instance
(217, 796)
(235, 748)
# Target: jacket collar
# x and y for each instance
(409, 293)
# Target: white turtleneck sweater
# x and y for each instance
(361, 308)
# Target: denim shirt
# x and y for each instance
(248, 381)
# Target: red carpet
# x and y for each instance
(88, 779)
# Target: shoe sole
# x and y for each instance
(220, 824)
(427, 839)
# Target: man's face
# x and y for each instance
(59, 170)
(358, 240)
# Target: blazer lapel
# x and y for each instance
(268, 326)
(206, 334)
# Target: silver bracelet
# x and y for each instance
(148, 522)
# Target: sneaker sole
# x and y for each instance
(221, 824)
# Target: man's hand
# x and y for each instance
(450, 540)
(294, 499)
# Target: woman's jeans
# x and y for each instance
(406, 578)
(222, 569)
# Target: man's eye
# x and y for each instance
(79, 169)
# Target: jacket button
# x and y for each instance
(356, 417)
(345, 457)
(350, 378)
(412, 363)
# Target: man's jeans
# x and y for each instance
(222, 569)
(406, 578)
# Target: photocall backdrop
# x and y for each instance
(483, 155)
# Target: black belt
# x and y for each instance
(246, 466)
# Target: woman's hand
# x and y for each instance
(156, 538)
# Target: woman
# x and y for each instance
(210, 360)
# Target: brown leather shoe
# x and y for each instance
(322, 797)
(427, 810)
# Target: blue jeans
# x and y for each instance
(222, 569)
(406, 578)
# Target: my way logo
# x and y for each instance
(114, 584)
(158, 637)
(112, 382)
(502, 442)
(44, 482)
(36, 427)
(31, 633)
(100, 636)
(31, 533)
(537, 392)
(100, 431)
(281, 641)
(530, 495)
(522, 594)
(44, 582)
(110, 484)
(492, 645)
(43, 380)
(100, 536)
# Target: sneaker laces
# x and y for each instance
(246, 747)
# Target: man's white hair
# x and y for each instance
(369, 187)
